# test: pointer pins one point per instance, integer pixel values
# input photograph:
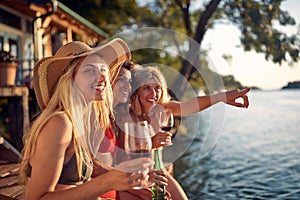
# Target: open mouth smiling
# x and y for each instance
(100, 87)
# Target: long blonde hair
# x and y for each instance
(89, 120)
(140, 76)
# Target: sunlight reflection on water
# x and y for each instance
(256, 157)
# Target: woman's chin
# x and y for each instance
(99, 97)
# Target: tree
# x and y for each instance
(258, 21)
(113, 16)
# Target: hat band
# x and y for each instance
(77, 54)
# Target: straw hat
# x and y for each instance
(48, 70)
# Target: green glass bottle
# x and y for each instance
(158, 164)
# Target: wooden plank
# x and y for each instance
(9, 185)
(15, 191)
(4, 197)
(9, 168)
(9, 180)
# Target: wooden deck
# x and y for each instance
(9, 172)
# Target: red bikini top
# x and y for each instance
(109, 142)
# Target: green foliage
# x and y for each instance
(112, 16)
(258, 21)
(231, 83)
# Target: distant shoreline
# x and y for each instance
(292, 85)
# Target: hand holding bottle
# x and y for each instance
(159, 194)
(158, 177)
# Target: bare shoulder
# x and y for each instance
(59, 122)
(60, 118)
(53, 141)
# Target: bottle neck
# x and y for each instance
(158, 164)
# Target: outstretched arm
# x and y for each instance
(233, 95)
(197, 104)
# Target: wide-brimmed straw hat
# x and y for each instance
(48, 70)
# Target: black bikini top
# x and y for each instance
(69, 175)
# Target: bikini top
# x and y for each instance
(69, 175)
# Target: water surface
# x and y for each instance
(256, 155)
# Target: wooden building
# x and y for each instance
(34, 29)
(31, 30)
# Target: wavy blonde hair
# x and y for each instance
(140, 77)
(89, 120)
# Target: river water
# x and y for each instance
(257, 155)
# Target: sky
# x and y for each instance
(250, 68)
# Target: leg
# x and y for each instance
(175, 189)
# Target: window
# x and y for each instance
(29, 26)
(13, 47)
(10, 19)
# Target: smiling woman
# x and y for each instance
(74, 95)
(122, 84)
(93, 74)
(149, 88)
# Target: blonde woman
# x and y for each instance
(150, 92)
(150, 88)
(111, 151)
(74, 95)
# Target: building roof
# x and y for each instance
(31, 7)
(81, 19)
